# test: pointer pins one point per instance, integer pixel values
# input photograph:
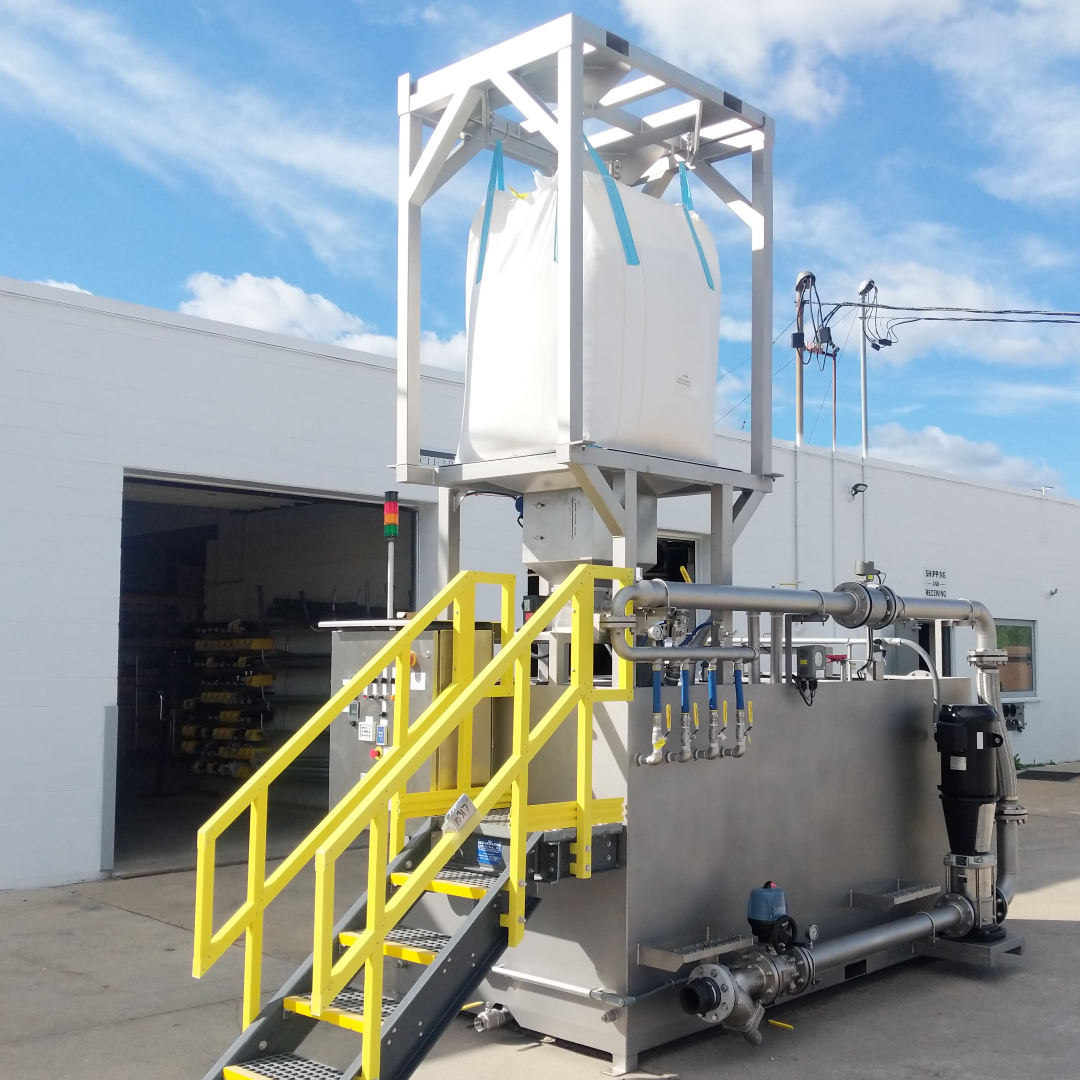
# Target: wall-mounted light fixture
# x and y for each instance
(857, 489)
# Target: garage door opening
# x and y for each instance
(221, 658)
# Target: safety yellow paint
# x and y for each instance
(341, 1018)
(447, 888)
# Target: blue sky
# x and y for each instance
(237, 159)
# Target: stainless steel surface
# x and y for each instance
(981, 954)
(892, 898)
(844, 796)
(646, 654)
(673, 959)
(862, 943)
(1010, 816)
(350, 753)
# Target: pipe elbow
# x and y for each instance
(985, 629)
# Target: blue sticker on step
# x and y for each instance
(489, 853)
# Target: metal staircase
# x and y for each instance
(341, 979)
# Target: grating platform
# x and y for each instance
(346, 1010)
(281, 1067)
(471, 884)
(411, 943)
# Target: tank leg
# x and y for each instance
(621, 1064)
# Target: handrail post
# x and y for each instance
(464, 671)
(581, 676)
(253, 935)
(373, 968)
(206, 843)
(519, 801)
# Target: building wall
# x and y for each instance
(1006, 547)
(95, 389)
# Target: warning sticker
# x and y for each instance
(489, 853)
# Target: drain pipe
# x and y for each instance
(659, 737)
(716, 736)
(742, 730)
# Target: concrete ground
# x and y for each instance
(95, 983)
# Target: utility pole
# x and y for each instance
(803, 284)
(864, 291)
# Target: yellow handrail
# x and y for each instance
(254, 795)
(370, 799)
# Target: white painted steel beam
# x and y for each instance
(528, 104)
(422, 177)
(590, 73)
(570, 224)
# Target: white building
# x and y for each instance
(162, 471)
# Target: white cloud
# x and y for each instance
(1012, 399)
(1013, 64)
(785, 50)
(69, 285)
(734, 329)
(272, 304)
(923, 263)
(79, 68)
(932, 448)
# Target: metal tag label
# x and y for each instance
(459, 815)
(958, 763)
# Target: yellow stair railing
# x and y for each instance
(253, 797)
(369, 803)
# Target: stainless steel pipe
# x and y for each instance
(649, 654)
(863, 943)
(664, 594)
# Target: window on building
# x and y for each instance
(1018, 640)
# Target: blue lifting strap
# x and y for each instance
(687, 206)
(617, 209)
(495, 180)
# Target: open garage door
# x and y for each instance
(220, 655)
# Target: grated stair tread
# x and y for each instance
(415, 938)
(282, 1067)
(350, 1000)
(466, 877)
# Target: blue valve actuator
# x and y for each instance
(766, 904)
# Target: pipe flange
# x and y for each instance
(724, 989)
(967, 912)
(800, 971)
(765, 964)
(987, 658)
(892, 605)
(1011, 813)
(863, 605)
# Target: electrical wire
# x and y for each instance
(851, 326)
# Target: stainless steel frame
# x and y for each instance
(536, 93)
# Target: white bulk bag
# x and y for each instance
(651, 331)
